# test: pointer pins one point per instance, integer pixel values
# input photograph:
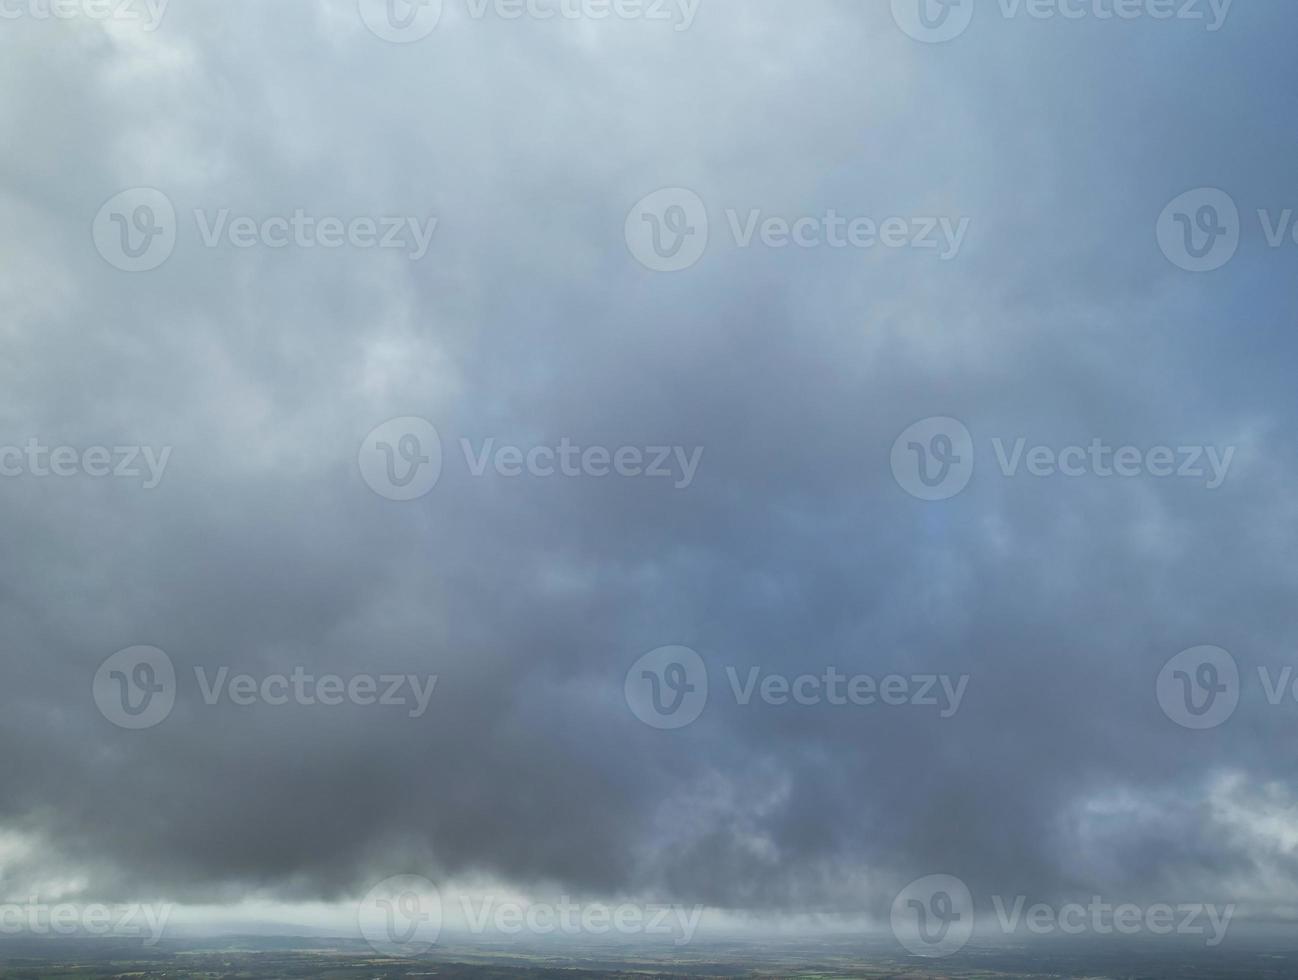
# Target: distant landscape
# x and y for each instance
(261, 958)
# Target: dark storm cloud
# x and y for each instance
(793, 549)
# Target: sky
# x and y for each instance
(745, 455)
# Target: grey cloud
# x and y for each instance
(793, 548)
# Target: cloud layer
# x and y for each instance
(793, 549)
